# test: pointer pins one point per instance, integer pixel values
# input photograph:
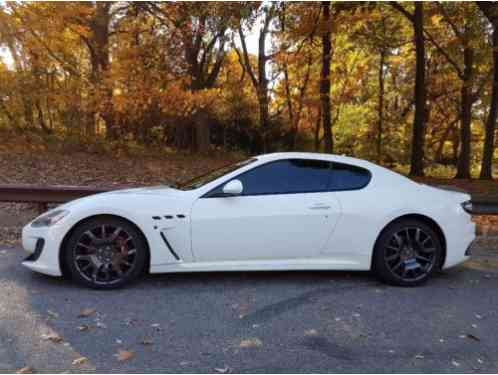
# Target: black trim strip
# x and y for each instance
(169, 246)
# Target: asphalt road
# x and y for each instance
(251, 322)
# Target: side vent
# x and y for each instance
(169, 246)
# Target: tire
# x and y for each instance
(105, 252)
(407, 253)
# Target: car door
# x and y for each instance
(284, 212)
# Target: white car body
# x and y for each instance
(334, 230)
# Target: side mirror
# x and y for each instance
(233, 187)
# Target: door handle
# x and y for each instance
(319, 206)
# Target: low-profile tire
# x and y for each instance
(407, 253)
(105, 252)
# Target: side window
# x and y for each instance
(284, 177)
(348, 177)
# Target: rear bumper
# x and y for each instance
(459, 243)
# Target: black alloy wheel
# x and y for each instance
(105, 253)
(407, 253)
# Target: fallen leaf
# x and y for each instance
(124, 355)
(455, 363)
(83, 327)
(101, 325)
(474, 325)
(311, 332)
(253, 342)
(86, 312)
(54, 337)
(419, 356)
(25, 370)
(118, 341)
(79, 361)
(472, 337)
(223, 370)
(52, 314)
(146, 341)
(478, 316)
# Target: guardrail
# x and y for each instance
(43, 195)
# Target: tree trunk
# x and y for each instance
(489, 140)
(380, 106)
(202, 132)
(463, 167)
(417, 157)
(263, 112)
(325, 79)
(317, 129)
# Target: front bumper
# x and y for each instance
(42, 245)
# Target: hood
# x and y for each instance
(160, 189)
(163, 190)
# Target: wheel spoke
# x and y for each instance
(88, 247)
(417, 235)
(398, 240)
(420, 257)
(428, 250)
(92, 237)
(95, 273)
(115, 234)
(84, 257)
(392, 257)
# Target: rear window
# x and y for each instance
(348, 177)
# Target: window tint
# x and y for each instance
(348, 177)
(284, 177)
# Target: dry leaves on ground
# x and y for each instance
(86, 312)
(54, 337)
(252, 342)
(124, 355)
(25, 370)
(79, 361)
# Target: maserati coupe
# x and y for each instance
(281, 211)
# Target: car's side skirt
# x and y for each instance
(277, 265)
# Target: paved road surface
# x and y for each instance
(252, 322)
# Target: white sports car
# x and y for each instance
(282, 211)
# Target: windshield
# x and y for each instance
(204, 179)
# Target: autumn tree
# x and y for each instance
(490, 10)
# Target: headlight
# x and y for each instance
(467, 206)
(50, 218)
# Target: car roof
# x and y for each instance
(316, 156)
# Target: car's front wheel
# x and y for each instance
(105, 252)
(407, 253)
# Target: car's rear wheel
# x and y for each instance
(407, 253)
(105, 253)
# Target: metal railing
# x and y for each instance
(43, 195)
